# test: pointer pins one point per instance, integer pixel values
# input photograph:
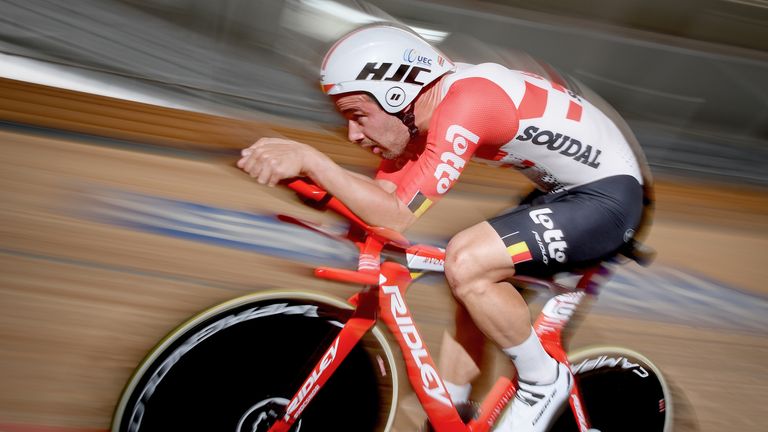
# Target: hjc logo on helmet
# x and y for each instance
(404, 73)
(370, 57)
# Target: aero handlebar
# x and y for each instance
(320, 198)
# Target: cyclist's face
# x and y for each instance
(371, 127)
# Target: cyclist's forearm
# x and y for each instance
(363, 195)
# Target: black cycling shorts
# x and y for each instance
(552, 233)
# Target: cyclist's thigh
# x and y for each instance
(558, 232)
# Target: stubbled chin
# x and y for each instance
(385, 154)
(389, 156)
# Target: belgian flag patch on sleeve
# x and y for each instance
(419, 204)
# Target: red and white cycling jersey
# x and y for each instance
(511, 119)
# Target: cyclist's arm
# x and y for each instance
(270, 160)
(374, 201)
(475, 112)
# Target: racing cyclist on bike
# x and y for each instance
(426, 117)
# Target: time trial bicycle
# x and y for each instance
(281, 361)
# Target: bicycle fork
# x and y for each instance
(355, 328)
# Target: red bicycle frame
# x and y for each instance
(384, 297)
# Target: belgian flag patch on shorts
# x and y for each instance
(519, 252)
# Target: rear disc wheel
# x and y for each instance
(621, 391)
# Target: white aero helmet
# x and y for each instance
(390, 62)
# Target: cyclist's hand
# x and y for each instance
(270, 160)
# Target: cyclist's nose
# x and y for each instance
(355, 132)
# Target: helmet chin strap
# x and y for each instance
(409, 120)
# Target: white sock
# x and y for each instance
(533, 364)
(458, 393)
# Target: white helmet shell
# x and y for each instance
(390, 62)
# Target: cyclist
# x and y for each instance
(426, 117)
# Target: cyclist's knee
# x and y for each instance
(475, 259)
(463, 267)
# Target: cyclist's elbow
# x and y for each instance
(402, 219)
(394, 214)
(401, 226)
(399, 222)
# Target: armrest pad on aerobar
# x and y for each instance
(323, 199)
(394, 237)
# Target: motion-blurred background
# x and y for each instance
(122, 214)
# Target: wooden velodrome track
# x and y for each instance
(83, 298)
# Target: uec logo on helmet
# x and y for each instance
(411, 55)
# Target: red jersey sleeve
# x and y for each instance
(475, 113)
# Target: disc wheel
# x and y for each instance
(622, 391)
(235, 367)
